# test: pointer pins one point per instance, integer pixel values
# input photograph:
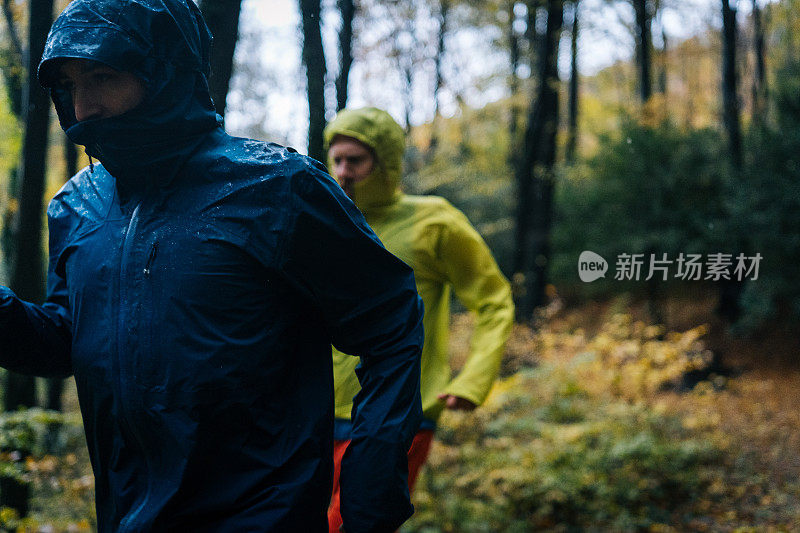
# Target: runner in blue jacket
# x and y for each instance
(196, 282)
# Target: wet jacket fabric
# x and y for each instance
(448, 256)
(195, 301)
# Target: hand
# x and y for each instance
(456, 403)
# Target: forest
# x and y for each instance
(634, 166)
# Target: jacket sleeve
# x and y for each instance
(36, 339)
(370, 305)
(478, 283)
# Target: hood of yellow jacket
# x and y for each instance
(381, 133)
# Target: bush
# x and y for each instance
(573, 444)
(651, 189)
(47, 450)
(765, 206)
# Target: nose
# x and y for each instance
(343, 170)
(86, 104)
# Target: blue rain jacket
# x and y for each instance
(196, 282)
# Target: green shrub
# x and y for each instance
(765, 206)
(650, 189)
(545, 454)
(47, 450)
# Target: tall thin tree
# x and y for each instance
(644, 44)
(222, 17)
(663, 75)
(532, 35)
(314, 61)
(27, 269)
(513, 82)
(534, 174)
(55, 386)
(444, 10)
(730, 83)
(728, 306)
(759, 91)
(663, 55)
(405, 52)
(572, 111)
(347, 9)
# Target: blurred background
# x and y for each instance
(661, 133)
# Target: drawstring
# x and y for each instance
(91, 164)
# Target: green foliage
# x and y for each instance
(649, 189)
(548, 455)
(24, 430)
(765, 206)
(11, 143)
(32, 433)
(10, 136)
(47, 450)
(592, 438)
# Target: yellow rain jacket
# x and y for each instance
(446, 253)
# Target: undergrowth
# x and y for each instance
(589, 435)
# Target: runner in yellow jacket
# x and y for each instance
(447, 255)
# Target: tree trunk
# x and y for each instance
(644, 47)
(444, 6)
(55, 386)
(760, 76)
(27, 271)
(404, 51)
(728, 306)
(314, 61)
(572, 121)
(222, 17)
(408, 77)
(513, 82)
(663, 76)
(535, 175)
(347, 9)
(730, 82)
(532, 35)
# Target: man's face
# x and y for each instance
(352, 162)
(99, 91)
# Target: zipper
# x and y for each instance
(128, 522)
(150, 258)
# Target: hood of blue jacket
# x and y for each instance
(167, 44)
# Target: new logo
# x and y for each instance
(591, 266)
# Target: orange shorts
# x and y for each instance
(417, 455)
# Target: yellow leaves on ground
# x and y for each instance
(590, 431)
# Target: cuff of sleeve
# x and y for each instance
(343, 427)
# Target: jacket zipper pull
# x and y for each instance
(150, 258)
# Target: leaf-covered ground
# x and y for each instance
(606, 423)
